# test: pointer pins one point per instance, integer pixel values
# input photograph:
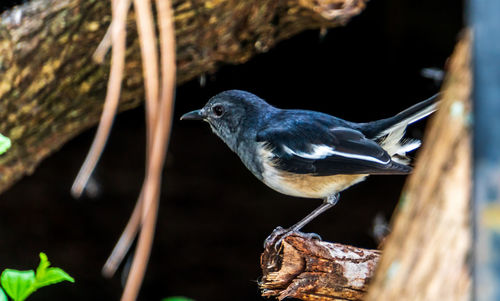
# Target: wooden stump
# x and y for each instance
(310, 269)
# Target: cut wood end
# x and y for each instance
(309, 269)
(335, 10)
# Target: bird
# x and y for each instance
(310, 154)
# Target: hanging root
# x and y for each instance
(159, 110)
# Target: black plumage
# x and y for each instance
(300, 130)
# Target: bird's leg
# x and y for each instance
(328, 203)
(280, 233)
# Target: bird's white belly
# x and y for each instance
(307, 185)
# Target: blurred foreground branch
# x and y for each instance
(51, 90)
(426, 255)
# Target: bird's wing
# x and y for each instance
(307, 147)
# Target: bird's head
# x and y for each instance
(231, 112)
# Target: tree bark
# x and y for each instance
(426, 255)
(310, 269)
(51, 90)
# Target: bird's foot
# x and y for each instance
(280, 233)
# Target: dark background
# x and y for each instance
(214, 215)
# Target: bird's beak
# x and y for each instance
(194, 115)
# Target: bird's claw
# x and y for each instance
(275, 238)
(279, 233)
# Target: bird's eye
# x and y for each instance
(218, 110)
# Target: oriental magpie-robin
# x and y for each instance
(306, 153)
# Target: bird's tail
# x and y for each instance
(389, 132)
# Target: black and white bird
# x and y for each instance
(310, 154)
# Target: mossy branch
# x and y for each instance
(51, 89)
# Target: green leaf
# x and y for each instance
(52, 276)
(3, 297)
(42, 266)
(47, 276)
(177, 298)
(18, 284)
(4, 144)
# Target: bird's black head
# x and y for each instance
(231, 112)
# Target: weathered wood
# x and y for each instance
(426, 255)
(310, 269)
(51, 90)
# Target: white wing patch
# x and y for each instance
(323, 151)
(319, 152)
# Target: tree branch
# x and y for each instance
(51, 89)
